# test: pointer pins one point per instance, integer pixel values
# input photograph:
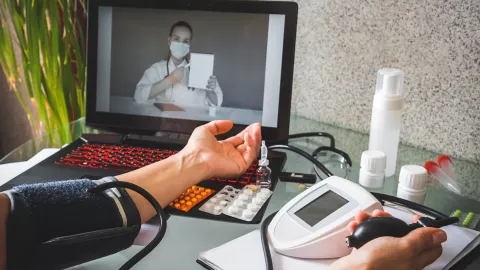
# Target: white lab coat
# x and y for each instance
(179, 93)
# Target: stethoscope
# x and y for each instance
(168, 74)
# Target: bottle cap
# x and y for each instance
(374, 161)
(413, 176)
(390, 81)
(389, 91)
(372, 172)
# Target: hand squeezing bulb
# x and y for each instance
(376, 227)
(434, 170)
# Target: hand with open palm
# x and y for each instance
(227, 158)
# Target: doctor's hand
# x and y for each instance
(227, 158)
(212, 83)
(415, 251)
(176, 76)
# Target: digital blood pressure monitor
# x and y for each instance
(314, 224)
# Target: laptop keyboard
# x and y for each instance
(127, 158)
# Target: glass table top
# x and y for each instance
(187, 237)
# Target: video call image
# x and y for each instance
(194, 65)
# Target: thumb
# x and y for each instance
(423, 239)
(219, 126)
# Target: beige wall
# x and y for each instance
(341, 44)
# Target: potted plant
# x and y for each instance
(42, 52)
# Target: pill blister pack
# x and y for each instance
(242, 204)
(217, 203)
(247, 203)
(191, 197)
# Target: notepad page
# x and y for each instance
(201, 69)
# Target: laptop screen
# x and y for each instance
(190, 64)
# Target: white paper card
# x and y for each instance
(201, 69)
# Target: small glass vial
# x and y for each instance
(263, 175)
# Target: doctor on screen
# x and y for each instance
(167, 81)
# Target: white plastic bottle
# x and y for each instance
(412, 183)
(387, 115)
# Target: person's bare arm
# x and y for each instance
(202, 158)
(4, 211)
(175, 77)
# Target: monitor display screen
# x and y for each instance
(321, 207)
(190, 64)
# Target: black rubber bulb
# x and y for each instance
(375, 227)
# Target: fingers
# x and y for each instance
(352, 226)
(416, 218)
(240, 137)
(423, 239)
(219, 126)
(428, 257)
(380, 213)
(252, 142)
(361, 216)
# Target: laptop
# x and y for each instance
(129, 52)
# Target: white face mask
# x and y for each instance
(179, 49)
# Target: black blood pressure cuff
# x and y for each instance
(60, 224)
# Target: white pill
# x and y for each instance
(240, 203)
(218, 208)
(265, 190)
(253, 207)
(263, 196)
(207, 205)
(223, 203)
(258, 201)
(213, 200)
(248, 192)
(247, 214)
(219, 197)
(233, 209)
(243, 197)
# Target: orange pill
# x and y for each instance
(177, 205)
(192, 195)
(182, 201)
(194, 188)
(189, 203)
(194, 199)
(187, 198)
(189, 190)
(201, 189)
(208, 190)
(203, 193)
(198, 197)
(185, 209)
(196, 192)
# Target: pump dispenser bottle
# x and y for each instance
(387, 115)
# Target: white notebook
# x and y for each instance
(246, 252)
(201, 69)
